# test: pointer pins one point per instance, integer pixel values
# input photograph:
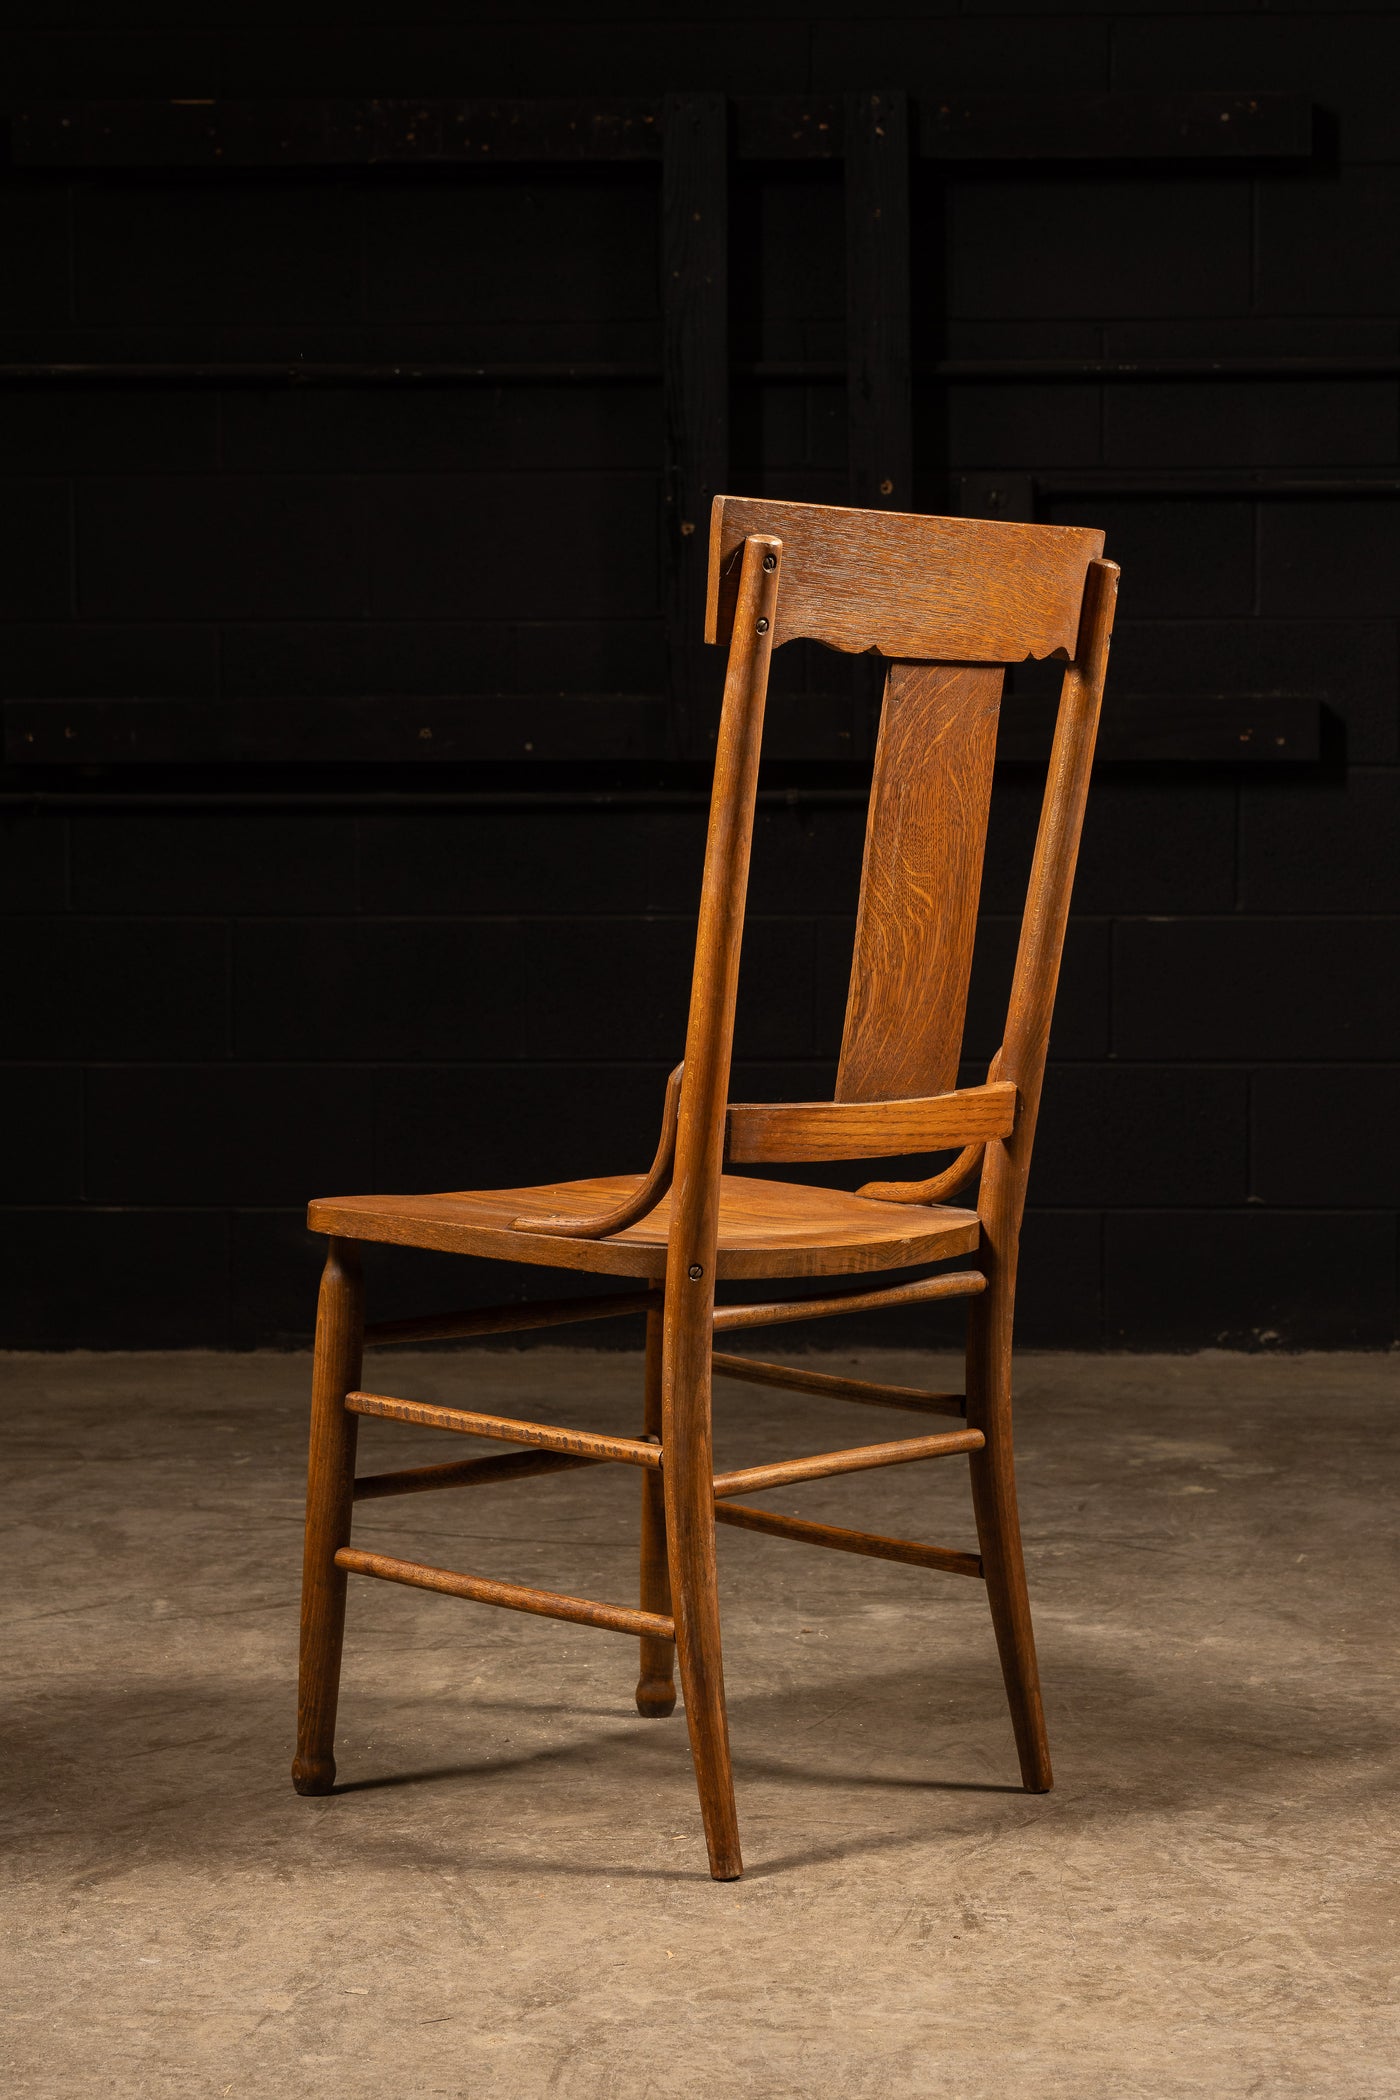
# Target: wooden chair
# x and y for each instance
(951, 602)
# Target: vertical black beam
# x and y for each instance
(879, 405)
(695, 368)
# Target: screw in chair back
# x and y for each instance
(949, 603)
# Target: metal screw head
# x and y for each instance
(696, 1272)
(763, 627)
(770, 561)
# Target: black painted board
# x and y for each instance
(695, 393)
(1117, 127)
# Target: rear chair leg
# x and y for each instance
(329, 1497)
(656, 1690)
(688, 1474)
(999, 1533)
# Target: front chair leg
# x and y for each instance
(688, 1473)
(329, 1498)
(999, 1532)
(656, 1689)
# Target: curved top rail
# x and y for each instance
(949, 590)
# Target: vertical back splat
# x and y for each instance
(917, 920)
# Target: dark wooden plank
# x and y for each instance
(374, 131)
(1180, 729)
(1117, 127)
(879, 404)
(695, 388)
(358, 729)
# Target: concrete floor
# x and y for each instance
(508, 1898)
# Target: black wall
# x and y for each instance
(218, 1008)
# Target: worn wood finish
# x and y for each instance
(922, 874)
(937, 1189)
(766, 1228)
(504, 1319)
(515, 1596)
(898, 584)
(953, 590)
(1002, 1194)
(861, 1129)
(329, 1496)
(656, 1686)
(860, 1459)
(837, 1537)
(749, 1371)
(469, 1472)
(782, 1312)
(692, 1252)
(580, 1443)
(644, 1198)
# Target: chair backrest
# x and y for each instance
(953, 600)
(949, 602)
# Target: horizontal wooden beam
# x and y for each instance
(432, 131)
(786, 1376)
(485, 729)
(581, 1443)
(861, 1459)
(468, 1472)
(813, 1130)
(840, 1540)
(783, 1311)
(505, 1319)
(514, 1596)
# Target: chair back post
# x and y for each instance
(1021, 1058)
(719, 934)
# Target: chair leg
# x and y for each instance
(656, 1689)
(690, 1536)
(999, 1530)
(329, 1498)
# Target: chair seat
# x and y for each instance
(766, 1228)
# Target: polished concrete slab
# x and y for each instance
(508, 1897)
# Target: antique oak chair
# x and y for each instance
(950, 602)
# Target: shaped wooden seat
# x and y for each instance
(950, 602)
(765, 1228)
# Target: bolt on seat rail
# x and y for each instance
(949, 602)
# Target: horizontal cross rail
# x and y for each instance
(751, 1372)
(514, 1596)
(843, 1541)
(468, 1472)
(823, 1463)
(580, 1443)
(505, 1319)
(964, 1284)
(811, 1130)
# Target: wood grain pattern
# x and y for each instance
(948, 590)
(836, 1536)
(515, 1596)
(580, 1443)
(783, 1311)
(922, 874)
(860, 1129)
(656, 1685)
(330, 1475)
(764, 1228)
(693, 1259)
(860, 1459)
(750, 1371)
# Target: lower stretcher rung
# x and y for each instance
(835, 1535)
(514, 1596)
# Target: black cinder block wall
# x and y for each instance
(235, 979)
